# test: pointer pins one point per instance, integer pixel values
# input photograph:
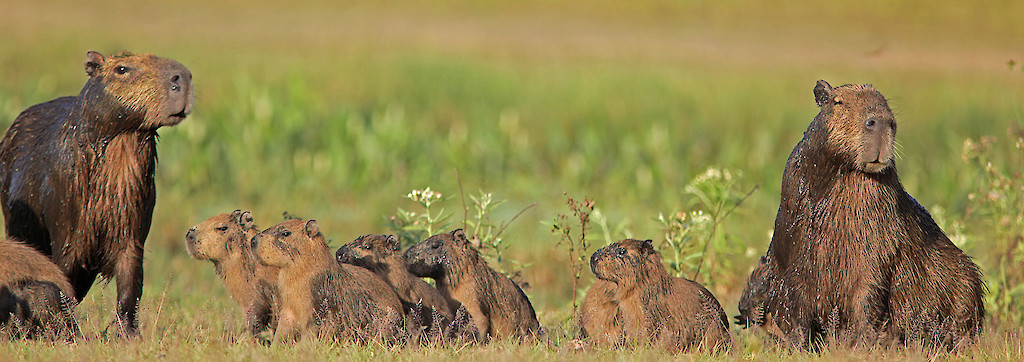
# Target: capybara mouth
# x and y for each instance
(875, 167)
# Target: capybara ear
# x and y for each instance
(647, 247)
(460, 236)
(246, 220)
(822, 91)
(93, 61)
(391, 242)
(312, 229)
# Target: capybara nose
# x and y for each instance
(191, 234)
(176, 83)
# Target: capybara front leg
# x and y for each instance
(128, 272)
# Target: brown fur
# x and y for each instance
(853, 255)
(320, 297)
(381, 254)
(77, 173)
(656, 307)
(600, 320)
(224, 239)
(497, 305)
(36, 300)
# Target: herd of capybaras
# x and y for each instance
(854, 259)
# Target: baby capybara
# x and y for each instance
(656, 307)
(224, 239)
(498, 306)
(77, 173)
(853, 257)
(319, 297)
(36, 300)
(381, 254)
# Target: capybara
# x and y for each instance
(853, 257)
(320, 297)
(36, 300)
(381, 254)
(224, 239)
(498, 306)
(656, 307)
(599, 318)
(77, 173)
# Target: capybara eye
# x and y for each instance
(870, 123)
(620, 251)
(286, 233)
(121, 69)
(365, 246)
(221, 228)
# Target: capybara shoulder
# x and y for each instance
(224, 240)
(36, 300)
(853, 256)
(498, 306)
(77, 173)
(656, 307)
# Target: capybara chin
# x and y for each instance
(656, 307)
(36, 300)
(318, 296)
(498, 306)
(224, 239)
(854, 258)
(382, 255)
(77, 173)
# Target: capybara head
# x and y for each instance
(368, 251)
(284, 243)
(861, 127)
(157, 91)
(626, 262)
(215, 238)
(431, 257)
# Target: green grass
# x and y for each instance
(335, 111)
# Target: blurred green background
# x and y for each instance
(336, 110)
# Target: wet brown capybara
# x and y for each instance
(224, 239)
(381, 254)
(321, 298)
(656, 307)
(77, 173)
(36, 300)
(498, 306)
(853, 255)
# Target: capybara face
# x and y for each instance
(215, 238)
(624, 261)
(368, 250)
(284, 243)
(860, 124)
(430, 257)
(158, 88)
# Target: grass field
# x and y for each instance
(336, 111)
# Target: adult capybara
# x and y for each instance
(76, 173)
(36, 300)
(319, 297)
(656, 307)
(381, 255)
(498, 306)
(854, 256)
(224, 239)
